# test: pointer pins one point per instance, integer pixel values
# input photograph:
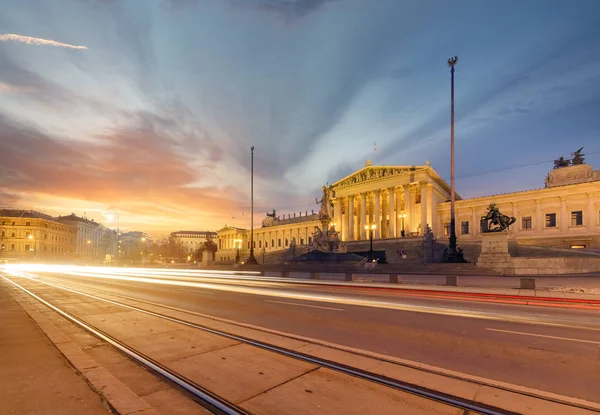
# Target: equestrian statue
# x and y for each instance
(495, 218)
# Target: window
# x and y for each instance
(464, 227)
(550, 220)
(446, 229)
(526, 222)
(301, 241)
(287, 242)
(279, 242)
(2, 247)
(310, 239)
(27, 247)
(4, 222)
(3, 234)
(12, 247)
(12, 235)
(13, 224)
(577, 218)
(578, 246)
(27, 223)
(272, 242)
(260, 244)
(418, 198)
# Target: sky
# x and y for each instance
(149, 108)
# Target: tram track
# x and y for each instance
(220, 406)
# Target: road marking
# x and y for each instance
(195, 291)
(543, 335)
(305, 305)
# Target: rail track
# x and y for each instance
(218, 405)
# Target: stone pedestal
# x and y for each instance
(207, 259)
(494, 252)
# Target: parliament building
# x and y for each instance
(401, 201)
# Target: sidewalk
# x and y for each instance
(35, 377)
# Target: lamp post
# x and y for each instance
(238, 244)
(402, 216)
(30, 236)
(371, 229)
(452, 254)
(251, 259)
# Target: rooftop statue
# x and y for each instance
(561, 162)
(272, 215)
(577, 157)
(494, 217)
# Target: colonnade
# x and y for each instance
(391, 210)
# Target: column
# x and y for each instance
(344, 219)
(398, 219)
(590, 215)
(423, 207)
(392, 213)
(475, 222)
(350, 217)
(407, 210)
(363, 216)
(563, 223)
(377, 214)
(337, 214)
(539, 221)
(430, 205)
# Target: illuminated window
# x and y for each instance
(446, 229)
(577, 218)
(550, 220)
(526, 222)
(578, 246)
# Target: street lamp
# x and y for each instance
(30, 236)
(402, 216)
(371, 229)
(238, 244)
(452, 254)
(251, 259)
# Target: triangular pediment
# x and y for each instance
(374, 173)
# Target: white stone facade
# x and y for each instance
(565, 214)
(192, 240)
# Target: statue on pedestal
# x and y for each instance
(325, 213)
(494, 217)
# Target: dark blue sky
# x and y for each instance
(155, 111)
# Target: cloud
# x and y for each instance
(4, 87)
(37, 41)
(136, 168)
(288, 9)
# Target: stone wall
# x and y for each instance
(554, 266)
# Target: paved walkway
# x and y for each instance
(35, 377)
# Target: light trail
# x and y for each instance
(279, 293)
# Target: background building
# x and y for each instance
(31, 235)
(93, 241)
(190, 241)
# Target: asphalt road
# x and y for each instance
(547, 348)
